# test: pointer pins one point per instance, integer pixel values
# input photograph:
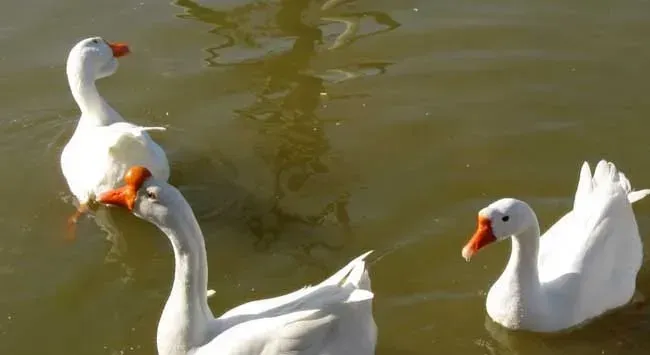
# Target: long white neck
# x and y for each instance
(517, 295)
(522, 267)
(95, 111)
(184, 321)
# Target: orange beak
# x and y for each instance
(119, 49)
(482, 237)
(125, 196)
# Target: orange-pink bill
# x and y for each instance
(122, 196)
(482, 237)
(125, 196)
(119, 49)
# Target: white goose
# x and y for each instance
(583, 266)
(333, 317)
(103, 145)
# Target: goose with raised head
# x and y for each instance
(332, 317)
(103, 145)
(585, 264)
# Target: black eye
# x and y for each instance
(95, 41)
(505, 218)
(152, 195)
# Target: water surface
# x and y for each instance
(303, 136)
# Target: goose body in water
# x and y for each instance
(332, 317)
(585, 264)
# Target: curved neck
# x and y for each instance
(522, 266)
(95, 111)
(519, 284)
(186, 314)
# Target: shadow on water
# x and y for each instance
(291, 137)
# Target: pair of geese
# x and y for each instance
(584, 265)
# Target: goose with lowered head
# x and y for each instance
(103, 145)
(332, 317)
(585, 265)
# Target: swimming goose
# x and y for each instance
(103, 145)
(585, 264)
(333, 317)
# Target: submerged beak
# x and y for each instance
(119, 49)
(125, 196)
(482, 237)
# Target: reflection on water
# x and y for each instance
(285, 132)
(277, 41)
(249, 33)
(352, 21)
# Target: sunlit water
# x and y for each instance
(303, 136)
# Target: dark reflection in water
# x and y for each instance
(352, 21)
(254, 33)
(295, 146)
(285, 111)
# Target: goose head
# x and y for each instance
(499, 221)
(95, 57)
(146, 197)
